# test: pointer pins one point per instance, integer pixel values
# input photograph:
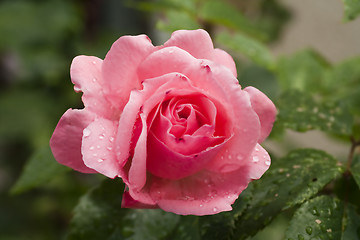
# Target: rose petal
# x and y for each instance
(129, 202)
(196, 42)
(264, 108)
(66, 140)
(204, 193)
(98, 145)
(223, 58)
(259, 162)
(120, 66)
(86, 74)
(171, 164)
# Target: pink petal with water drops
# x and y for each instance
(86, 74)
(129, 202)
(98, 145)
(204, 193)
(264, 108)
(259, 162)
(66, 140)
(120, 67)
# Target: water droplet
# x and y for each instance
(100, 160)
(109, 148)
(102, 136)
(255, 159)
(301, 237)
(111, 139)
(77, 89)
(86, 132)
(171, 51)
(215, 209)
(94, 62)
(201, 205)
(239, 157)
(315, 212)
(229, 156)
(308, 230)
(94, 79)
(91, 148)
(98, 147)
(267, 162)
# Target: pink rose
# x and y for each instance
(172, 121)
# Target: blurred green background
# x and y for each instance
(39, 39)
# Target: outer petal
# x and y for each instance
(204, 193)
(264, 108)
(259, 162)
(196, 42)
(98, 145)
(66, 140)
(199, 44)
(223, 58)
(130, 202)
(120, 67)
(86, 74)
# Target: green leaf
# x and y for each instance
(39, 170)
(324, 217)
(249, 47)
(176, 20)
(351, 9)
(186, 229)
(221, 13)
(355, 169)
(290, 181)
(304, 71)
(99, 216)
(300, 112)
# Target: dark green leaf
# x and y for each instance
(222, 13)
(352, 9)
(290, 181)
(249, 47)
(300, 112)
(39, 170)
(324, 217)
(187, 229)
(99, 216)
(355, 169)
(304, 71)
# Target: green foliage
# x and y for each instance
(301, 112)
(39, 170)
(324, 217)
(352, 9)
(355, 169)
(99, 216)
(292, 180)
(249, 47)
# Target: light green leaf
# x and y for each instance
(324, 217)
(355, 169)
(176, 20)
(99, 216)
(290, 181)
(304, 71)
(39, 170)
(300, 112)
(221, 13)
(351, 9)
(249, 47)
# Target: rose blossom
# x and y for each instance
(172, 121)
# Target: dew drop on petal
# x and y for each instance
(76, 88)
(98, 147)
(102, 136)
(239, 157)
(267, 162)
(86, 132)
(94, 79)
(215, 209)
(94, 62)
(255, 159)
(229, 156)
(91, 148)
(109, 148)
(100, 160)
(111, 139)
